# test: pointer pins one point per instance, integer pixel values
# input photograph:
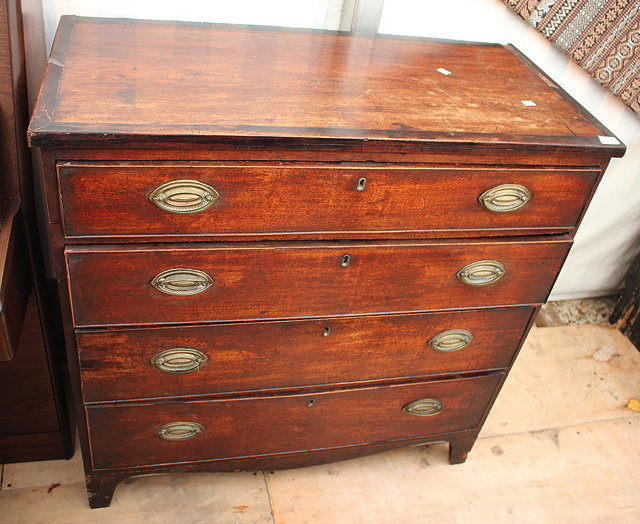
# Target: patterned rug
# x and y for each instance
(602, 36)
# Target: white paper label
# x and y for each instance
(528, 103)
(443, 71)
(609, 140)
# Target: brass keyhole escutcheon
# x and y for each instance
(346, 261)
(362, 184)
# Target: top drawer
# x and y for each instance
(151, 199)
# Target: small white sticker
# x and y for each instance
(528, 103)
(443, 71)
(609, 140)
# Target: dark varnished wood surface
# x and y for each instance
(124, 436)
(33, 419)
(111, 285)
(15, 278)
(31, 447)
(112, 199)
(28, 405)
(292, 115)
(236, 82)
(334, 151)
(13, 101)
(116, 364)
(101, 485)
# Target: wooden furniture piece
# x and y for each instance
(33, 405)
(16, 283)
(15, 280)
(626, 314)
(277, 248)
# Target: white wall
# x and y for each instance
(609, 236)
(319, 14)
(610, 233)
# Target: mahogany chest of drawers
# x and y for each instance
(277, 248)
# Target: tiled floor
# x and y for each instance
(560, 446)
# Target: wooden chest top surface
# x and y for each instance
(113, 80)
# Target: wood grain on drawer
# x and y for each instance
(113, 199)
(125, 436)
(117, 364)
(113, 284)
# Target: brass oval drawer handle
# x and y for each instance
(481, 273)
(425, 407)
(505, 198)
(179, 430)
(184, 196)
(182, 281)
(179, 360)
(451, 340)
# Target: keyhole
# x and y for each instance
(327, 331)
(311, 403)
(346, 260)
(362, 184)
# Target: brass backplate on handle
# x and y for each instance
(481, 273)
(451, 340)
(182, 281)
(184, 197)
(425, 407)
(505, 198)
(179, 360)
(179, 430)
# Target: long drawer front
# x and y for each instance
(185, 283)
(162, 433)
(198, 360)
(150, 198)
